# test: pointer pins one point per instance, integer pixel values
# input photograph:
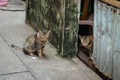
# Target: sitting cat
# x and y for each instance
(87, 42)
(35, 43)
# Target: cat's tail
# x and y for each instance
(16, 47)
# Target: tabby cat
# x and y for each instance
(35, 43)
(87, 42)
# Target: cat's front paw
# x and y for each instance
(43, 54)
(31, 54)
(40, 55)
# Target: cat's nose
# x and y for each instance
(43, 41)
(84, 45)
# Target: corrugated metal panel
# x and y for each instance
(106, 54)
(116, 53)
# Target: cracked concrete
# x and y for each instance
(19, 66)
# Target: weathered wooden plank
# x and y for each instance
(112, 2)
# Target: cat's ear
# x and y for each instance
(91, 37)
(80, 37)
(47, 34)
(40, 33)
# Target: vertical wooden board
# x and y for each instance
(70, 28)
(79, 7)
(116, 54)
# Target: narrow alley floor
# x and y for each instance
(15, 65)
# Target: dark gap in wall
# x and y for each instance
(84, 30)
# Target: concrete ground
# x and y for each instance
(15, 65)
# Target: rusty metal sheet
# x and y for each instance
(106, 55)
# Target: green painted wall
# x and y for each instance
(59, 16)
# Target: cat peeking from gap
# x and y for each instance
(87, 42)
(34, 44)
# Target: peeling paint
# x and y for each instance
(55, 15)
